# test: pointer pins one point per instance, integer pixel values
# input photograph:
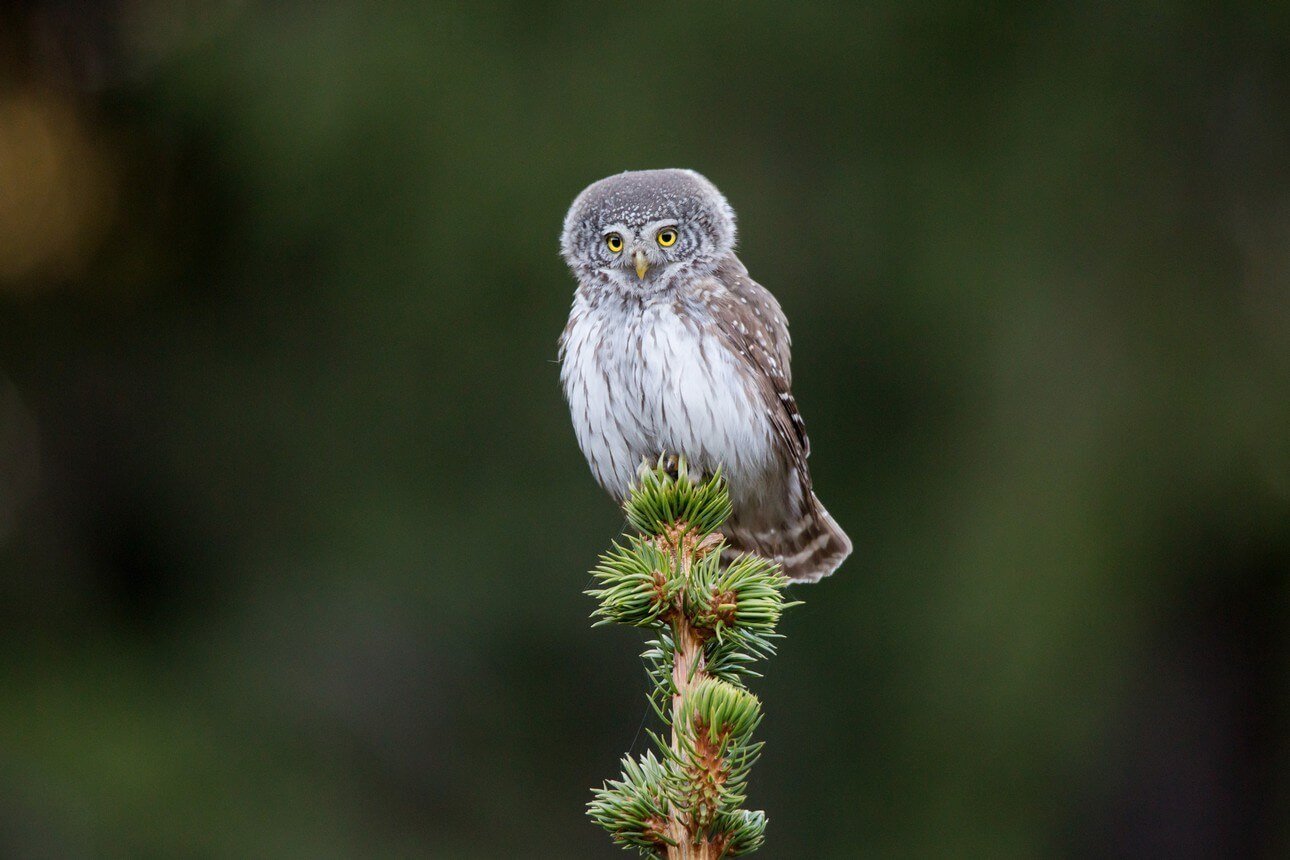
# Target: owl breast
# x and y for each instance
(648, 379)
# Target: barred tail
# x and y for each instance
(809, 548)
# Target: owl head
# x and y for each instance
(646, 231)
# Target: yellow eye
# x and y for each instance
(614, 242)
(667, 238)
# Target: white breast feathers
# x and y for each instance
(642, 380)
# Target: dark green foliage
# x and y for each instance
(740, 603)
(716, 752)
(638, 584)
(662, 501)
(670, 578)
(746, 829)
(634, 809)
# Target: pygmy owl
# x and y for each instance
(671, 348)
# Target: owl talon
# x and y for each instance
(671, 463)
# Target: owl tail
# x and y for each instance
(809, 547)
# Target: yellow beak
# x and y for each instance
(642, 264)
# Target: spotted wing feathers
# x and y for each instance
(804, 538)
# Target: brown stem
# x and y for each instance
(687, 670)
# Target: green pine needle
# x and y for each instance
(638, 584)
(745, 831)
(660, 502)
(727, 713)
(634, 809)
(747, 594)
(670, 578)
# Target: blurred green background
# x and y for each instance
(294, 529)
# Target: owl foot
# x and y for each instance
(672, 464)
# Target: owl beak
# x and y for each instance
(642, 264)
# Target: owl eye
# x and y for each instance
(614, 242)
(667, 238)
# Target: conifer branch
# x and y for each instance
(712, 620)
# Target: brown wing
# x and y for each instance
(799, 535)
(755, 327)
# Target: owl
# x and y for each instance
(672, 349)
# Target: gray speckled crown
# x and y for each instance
(638, 197)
